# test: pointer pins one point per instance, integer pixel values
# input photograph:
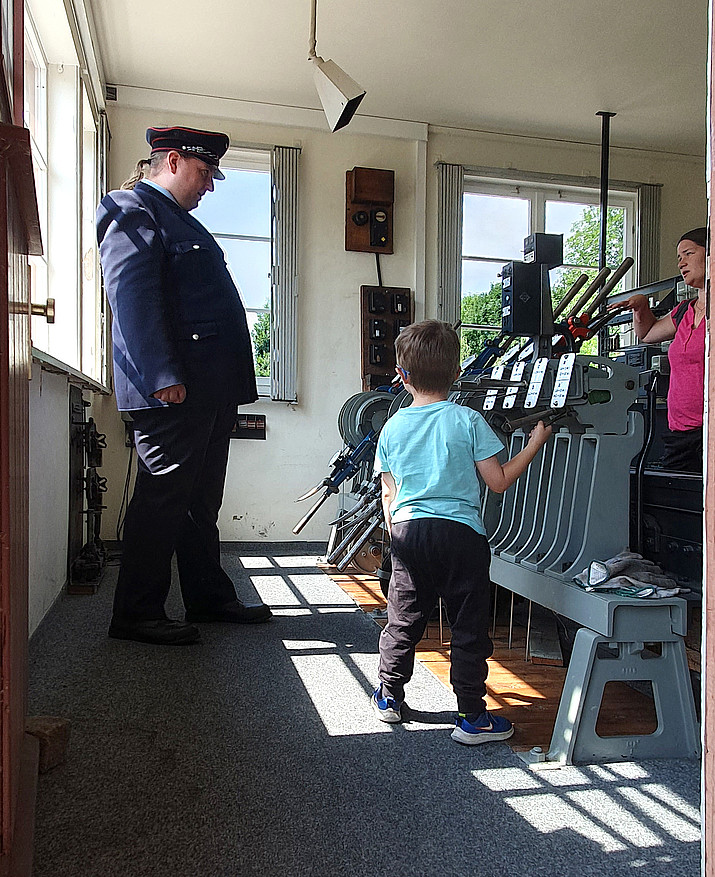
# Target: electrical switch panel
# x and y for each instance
(384, 311)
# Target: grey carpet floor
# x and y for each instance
(256, 752)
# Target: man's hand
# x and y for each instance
(174, 394)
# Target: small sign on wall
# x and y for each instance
(249, 426)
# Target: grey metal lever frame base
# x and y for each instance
(575, 741)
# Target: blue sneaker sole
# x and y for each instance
(460, 736)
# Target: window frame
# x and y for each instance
(537, 193)
(256, 159)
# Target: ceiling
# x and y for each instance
(533, 67)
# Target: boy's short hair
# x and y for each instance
(430, 352)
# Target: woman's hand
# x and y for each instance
(636, 303)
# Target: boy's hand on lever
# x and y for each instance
(540, 434)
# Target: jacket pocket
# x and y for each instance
(197, 330)
(191, 263)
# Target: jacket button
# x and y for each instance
(196, 247)
(195, 337)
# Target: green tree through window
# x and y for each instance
(261, 335)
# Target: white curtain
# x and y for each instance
(284, 273)
(450, 192)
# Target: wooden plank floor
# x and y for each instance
(526, 693)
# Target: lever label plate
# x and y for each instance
(537, 379)
(563, 379)
(491, 396)
(516, 375)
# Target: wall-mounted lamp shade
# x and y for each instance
(339, 94)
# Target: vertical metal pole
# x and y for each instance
(528, 634)
(603, 229)
(511, 619)
(605, 138)
(494, 616)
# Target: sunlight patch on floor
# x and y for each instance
(630, 814)
(275, 591)
(338, 697)
(296, 561)
(256, 562)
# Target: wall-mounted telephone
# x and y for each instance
(369, 197)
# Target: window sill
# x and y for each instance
(55, 366)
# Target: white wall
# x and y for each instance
(264, 478)
(49, 490)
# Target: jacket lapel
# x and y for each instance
(180, 213)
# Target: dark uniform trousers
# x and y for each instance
(431, 558)
(182, 456)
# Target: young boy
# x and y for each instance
(426, 455)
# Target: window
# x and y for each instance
(497, 216)
(63, 116)
(238, 214)
(91, 334)
(35, 119)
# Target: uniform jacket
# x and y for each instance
(177, 315)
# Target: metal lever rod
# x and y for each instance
(597, 282)
(571, 293)
(613, 281)
(309, 514)
(359, 544)
(338, 550)
(362, 502)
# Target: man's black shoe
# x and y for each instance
(162, 632)
(234, 612)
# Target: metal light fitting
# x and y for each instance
(339, 94)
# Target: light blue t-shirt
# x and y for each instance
(430, 451)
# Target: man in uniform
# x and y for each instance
(182, 365)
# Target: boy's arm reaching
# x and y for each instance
(389, 490)
(497, 477)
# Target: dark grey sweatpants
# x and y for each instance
(432, 558)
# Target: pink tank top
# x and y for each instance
(687, 374)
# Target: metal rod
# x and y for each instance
(358, 545)
(579, 283)
(613, 281)
(494, 615)
(597, 282)
(511, 619)
(605, 138)
(338, 550)
(311, 43)
(528, 634)
(304, 520)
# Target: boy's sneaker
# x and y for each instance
(387, 708)
(482, 729)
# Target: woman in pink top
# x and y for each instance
(685, 327)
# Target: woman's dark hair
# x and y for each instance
(698, 236)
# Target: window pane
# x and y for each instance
(580, 225)
(479, 276)
(250, 266)
(495, 226)
(240, 204)
(259, 325)
(481, 303)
